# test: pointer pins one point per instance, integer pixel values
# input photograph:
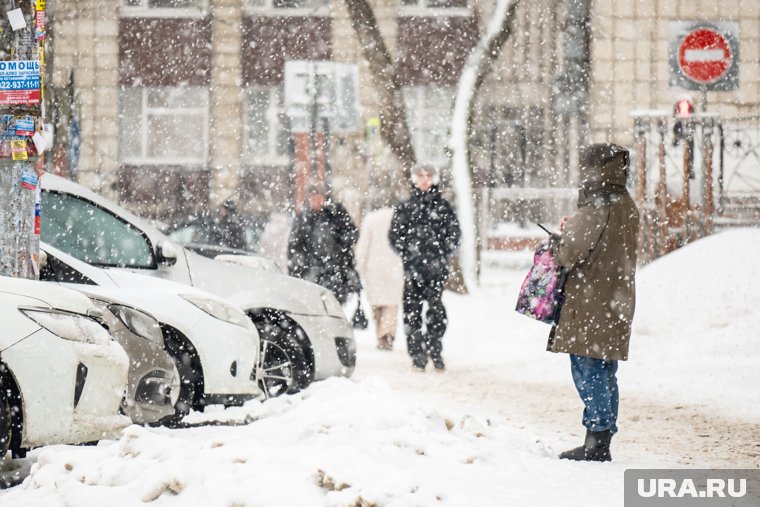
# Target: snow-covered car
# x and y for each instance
(214, 345)
(304, 331)
(63, 376)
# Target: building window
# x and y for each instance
(267, 135)
(289, 7)
(428, 114)
(163, 125)
(164, 8)
(431, 7)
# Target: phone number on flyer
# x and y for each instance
(30, 84)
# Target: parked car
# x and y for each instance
(153, 386)
(197, 233)
(301, 324)
(213, 344)
(63, 376)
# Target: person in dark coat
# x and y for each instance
(425, 233)
(226, 229)
(321, 245)
(597, 246)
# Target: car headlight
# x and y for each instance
(332, 306)
(140, 323)
(220, 310)
(70, 326)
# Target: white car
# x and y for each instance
(302, 325)
(153, 386)
(63, 375)
(214, 344)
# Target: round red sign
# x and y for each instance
(704, 55)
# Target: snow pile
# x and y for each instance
(487, 432)
(340, 442)
(697, 324)
(705, 286)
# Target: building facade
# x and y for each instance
(181, 102)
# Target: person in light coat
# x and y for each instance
(382, 274)
(273, 243)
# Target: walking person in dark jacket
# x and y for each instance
(321, 245)
(598, 248)
(227, 227)
(425, 233)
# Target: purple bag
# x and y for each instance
(541, 294)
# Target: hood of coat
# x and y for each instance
(603, 166)
(603, 172)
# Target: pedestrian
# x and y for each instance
(597, 247)
(273, 243)
(425, 233)
(227, 227)
(381, 273)
(321, 245)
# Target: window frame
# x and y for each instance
(143, 234)
(426, 11)
(419, 92)
(270, 10)
(271, 158)
(143, 11)
(144, 159)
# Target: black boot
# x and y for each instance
(595, 448)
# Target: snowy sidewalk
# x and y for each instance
(486, 432)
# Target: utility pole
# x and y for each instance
(22, 59)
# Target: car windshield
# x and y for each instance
(92, 234)
(184, 234)
(205, 230)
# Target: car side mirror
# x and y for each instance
(42, 259)
(166, 253)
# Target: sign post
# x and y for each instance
(704, 56)
(22, 38)
(320, 97)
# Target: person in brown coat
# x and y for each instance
(597, 247)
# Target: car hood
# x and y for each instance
(163, 305)
(249, 288)
(48, 295)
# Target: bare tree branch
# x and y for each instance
(393, 126)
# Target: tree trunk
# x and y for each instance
(479, 64)
(393, 127)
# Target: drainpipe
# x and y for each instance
(570, 87)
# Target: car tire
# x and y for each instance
(6, 424)
(190, 378)
(284, 366)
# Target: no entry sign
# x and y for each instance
(704, 55)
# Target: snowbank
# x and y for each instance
(393, 437)
(338, 443)
(697, 325)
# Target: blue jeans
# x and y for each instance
(596, 383)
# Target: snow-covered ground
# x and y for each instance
(487, 432)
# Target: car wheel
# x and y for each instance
(6, 425)
(284, 367)
(189, 390)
